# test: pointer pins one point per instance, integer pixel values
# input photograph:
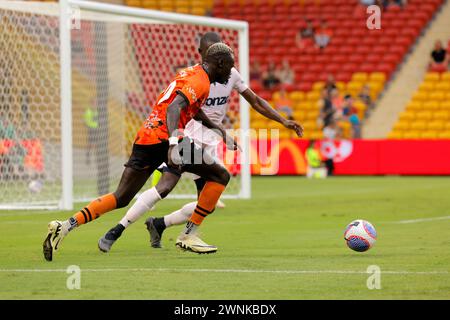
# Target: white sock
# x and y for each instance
(143, 204)
(180, 216)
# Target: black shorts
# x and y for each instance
(150, 157)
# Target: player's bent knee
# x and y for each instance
(222, 177)
(122, 200)
(164, 189)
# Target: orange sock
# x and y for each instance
(95, 209)
(207, 201)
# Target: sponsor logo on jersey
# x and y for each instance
(217, 101)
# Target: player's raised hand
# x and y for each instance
(298, 128)
(231, 143)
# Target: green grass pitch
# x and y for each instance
(285, 243)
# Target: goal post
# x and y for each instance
(79, 79)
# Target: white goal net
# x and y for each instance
(66, 129)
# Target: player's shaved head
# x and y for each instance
(219, 59)
(208, 39)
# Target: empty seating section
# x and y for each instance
(427, 116)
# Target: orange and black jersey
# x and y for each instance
(193, 85)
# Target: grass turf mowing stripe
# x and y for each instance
(229, 271)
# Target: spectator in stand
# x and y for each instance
(387, 4)
(255, 71)
(323, 35)
(350, 114)
(356, 125)
(336, 100)
(347, 106)
(285, 73)
(331, 132)
(305, 36)
(365, 97)
(314, 159)
(439, 58)
(284, 104)
(327, 111)
(367, 2)
(270, 77)
(330, 84)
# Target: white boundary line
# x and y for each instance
(227, 271)
(422, 220)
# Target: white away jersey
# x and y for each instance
(215, 108)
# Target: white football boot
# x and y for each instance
(192, 242)
(57, 230)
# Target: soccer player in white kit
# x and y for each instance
(215, 109)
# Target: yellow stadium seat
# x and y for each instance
(299, 115)
(312, 115)
(360, 77)
(318, 86)
(198, 11)
(316, 135)
(133, 3)
(297, 96)
(437, 95)
(445, 105)
(401, 126)
(275, 95)
(304, 105)
(435, 125)
(441, 115)
(414, 106)
(432, 77)
(355, 85)
(184, 10)
(445, 76)
(431, 105)
(418, 125)
(430, 134)
(375, 89)
(310, 125)
(420, 96)
(181, 3)
(411, 135)
(447, 126)
(360, 105)
(313, 96)
(150, 4)
(166, 8)
(444, 135)
(341, 85)
(426, 86)
(284, 134)
(407, 116)
(395, 135)
(443, 86)
(424, 115)
(261, 124)
(377, 77)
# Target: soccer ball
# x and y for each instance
(35, 186)
(360, 235)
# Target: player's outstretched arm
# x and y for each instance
(207, 122)
(264, 108)
(173, 118)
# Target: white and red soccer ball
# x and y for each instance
(360, 235)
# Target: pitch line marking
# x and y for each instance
(228, 271)
(422, 220)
